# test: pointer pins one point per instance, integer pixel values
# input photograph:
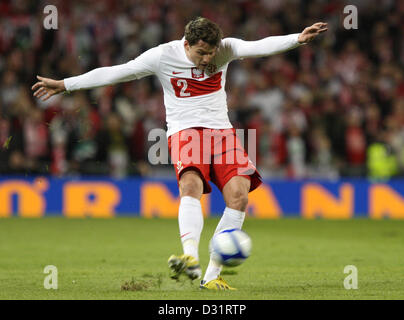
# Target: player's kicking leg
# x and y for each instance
(190, 220)
(235, 194)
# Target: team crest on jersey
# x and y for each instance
(196, 73)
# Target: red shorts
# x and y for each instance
(216, 154)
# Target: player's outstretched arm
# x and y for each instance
(240, 49)
(46, 88)
(99, 77)
(144, 65)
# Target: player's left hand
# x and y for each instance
(311, 32)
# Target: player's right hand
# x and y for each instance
(46, 88)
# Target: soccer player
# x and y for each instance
(192, 72)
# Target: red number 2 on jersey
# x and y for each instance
(184, 88)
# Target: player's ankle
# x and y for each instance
(190, 247)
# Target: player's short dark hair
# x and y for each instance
(203, 29)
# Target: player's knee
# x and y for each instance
(238, 200)
(191, 185)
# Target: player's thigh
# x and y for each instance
(235, 192)
(191, 184)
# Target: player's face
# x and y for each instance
(201, 54)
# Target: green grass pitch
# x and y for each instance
(291, 259)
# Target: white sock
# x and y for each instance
(231, 219)
(190, 220)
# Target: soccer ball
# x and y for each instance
(230, 247)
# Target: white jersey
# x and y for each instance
(192, 98)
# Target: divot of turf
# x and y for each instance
(154, 281)
(135, 285)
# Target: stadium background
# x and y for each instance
(329, 116)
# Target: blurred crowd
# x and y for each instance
(333, 108)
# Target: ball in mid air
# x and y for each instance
(230, 247)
